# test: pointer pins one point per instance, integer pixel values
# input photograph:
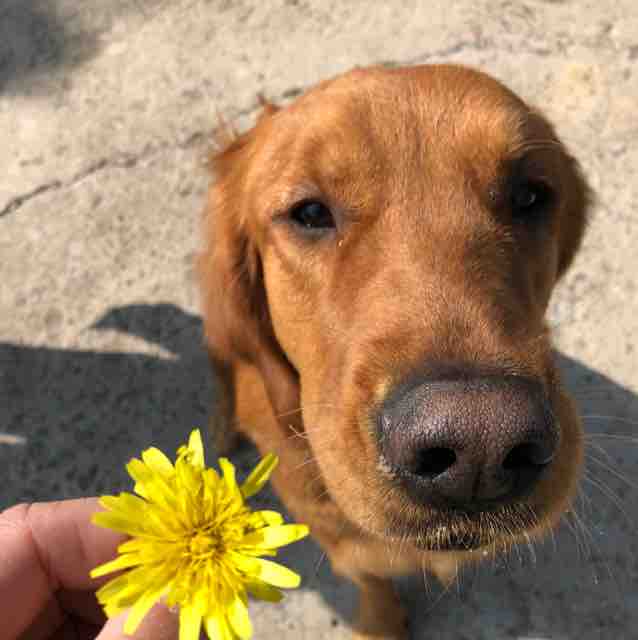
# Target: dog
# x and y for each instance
(378, 259)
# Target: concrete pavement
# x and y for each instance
(106, 110)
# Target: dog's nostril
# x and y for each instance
(433, 462)
(529, 454)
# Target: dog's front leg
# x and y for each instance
(380, 615)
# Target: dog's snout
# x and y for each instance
(470, 442)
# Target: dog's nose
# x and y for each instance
(468, 443)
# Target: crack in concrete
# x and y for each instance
(123, 160)
(15, 203)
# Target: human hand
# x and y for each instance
(46, 552)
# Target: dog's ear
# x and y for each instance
(574, 220)
(237, 321)
(268, 108)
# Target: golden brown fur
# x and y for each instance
(309, 336)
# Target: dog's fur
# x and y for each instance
(309, 333)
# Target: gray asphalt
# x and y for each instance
(106, 111)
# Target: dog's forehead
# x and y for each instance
(412, 110)
(390, 126)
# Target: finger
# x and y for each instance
(44, 547)
(49, 618)
(81, 604)
(159, 624)
(78, 608)
(75, 629)
(52, 624)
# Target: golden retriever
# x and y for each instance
(379, 256)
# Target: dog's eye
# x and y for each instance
(530, 198)
(312, 215)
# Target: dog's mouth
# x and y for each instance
(450, 530)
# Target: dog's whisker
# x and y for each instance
(323, 494)
(552, 535)
(324, 553)
(286, 414)
(530, 546)
(318, 477)
(597, 547)
(585, 502)
(600, 417)
(607, 467)
(594, 388)
(539, 144)
(457, 582)
(444, 592)
(612, 436)
(318, 564)
(589, 445)
(310, 460)
(584, 539)
(426, 584)
(307, 405)
(402, 541)
(609, 493)
(506, 556)
(296, 433)
(305, 433)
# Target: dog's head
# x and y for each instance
(384, 250)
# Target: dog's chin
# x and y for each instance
(466, 541)
(466, 531)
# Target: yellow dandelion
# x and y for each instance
(195, 544)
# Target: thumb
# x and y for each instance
(158, 624)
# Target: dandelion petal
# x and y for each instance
(271, 537)
(158, 462)
(196, 449)
(239, 620)
(141, 607)
(228, 469)
(190, 622)
(112, 589)
(259, 476)
(122, 562)
(116, 522)
(217, 628)
(264, 591)
(277, 575)
(265, 517)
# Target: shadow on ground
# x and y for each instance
(41, 37)
(36, 38)
(69, 420)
